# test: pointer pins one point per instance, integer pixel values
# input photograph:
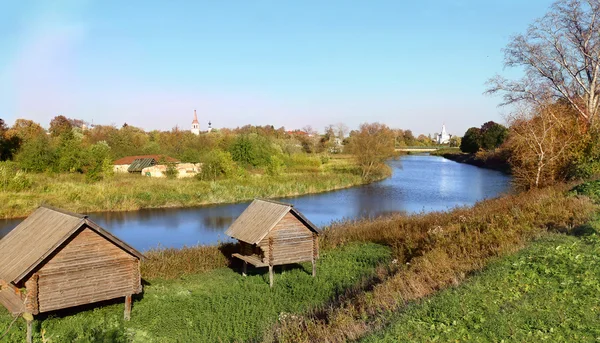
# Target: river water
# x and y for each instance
(419, 183)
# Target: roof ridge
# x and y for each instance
(275, 202)
(60, 210)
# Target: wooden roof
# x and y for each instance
(130, 159)
(39, 235)
(260, 218)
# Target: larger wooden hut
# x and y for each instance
(55, 260)
(271, 233)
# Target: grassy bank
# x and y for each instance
(435, 251)
(220, 305)
(125, 192)
(550, 292)
(490, 160)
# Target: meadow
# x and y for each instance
(216, 306)
(127, 192)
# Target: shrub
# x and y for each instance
(12, 179)
(171, 172)
(217, 164)
(275, 166)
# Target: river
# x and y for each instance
(419, 183)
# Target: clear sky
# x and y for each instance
(409, 64)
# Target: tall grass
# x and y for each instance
(435, 250)
(127, 192)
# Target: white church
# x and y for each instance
(196, 125)
(443, 137)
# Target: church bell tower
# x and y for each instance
(195, 125)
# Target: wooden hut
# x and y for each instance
(55, 260)
(273, 233)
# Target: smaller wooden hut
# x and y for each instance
(55, 260)
(273, 233)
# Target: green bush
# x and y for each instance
(590, 189)
(12, 179)
(275, 166)
(171, 172)
(252, 150)
(217, 164)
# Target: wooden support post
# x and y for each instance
(315, 254)
(128, 300)
(245, 268)
(271, 262)
(30, 331)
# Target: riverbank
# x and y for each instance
(489, 160)
(547, 292)
(369, 269)
(128, 192)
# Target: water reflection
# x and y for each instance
(419, 183)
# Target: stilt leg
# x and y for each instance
(128, 307)
(30, 331)
(314, 264)
(245, 268)
(271, 276)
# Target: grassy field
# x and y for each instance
(126, 192)
(217, 306)
(549, 292)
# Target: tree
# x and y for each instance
(541, 141)
(409, 138)
(59, 126)
(341, 130)
(8, 144)
(471, 142)
(26, 130)
(560, 54)
(371, 146)
(492, 135)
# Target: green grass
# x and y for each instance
(220, 305)
(126, 192)
(549, 292)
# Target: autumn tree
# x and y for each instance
(59, 126)
(372, 145)
(26, 130)
(542, 139)
(560, 54)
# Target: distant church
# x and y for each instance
(443, 137)
(196, 125)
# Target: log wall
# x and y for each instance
(87, 269)
(292, 242)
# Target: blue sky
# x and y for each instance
(409, 64)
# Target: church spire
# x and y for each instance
(195, 124)
(195, 121)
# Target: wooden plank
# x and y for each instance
(253, 260)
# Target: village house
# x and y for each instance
(271, 233)
(135, 164)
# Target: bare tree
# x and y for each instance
(560, 54)
(541, 140)
(341, 130)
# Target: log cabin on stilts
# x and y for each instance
(271, 233)
(55, 259)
